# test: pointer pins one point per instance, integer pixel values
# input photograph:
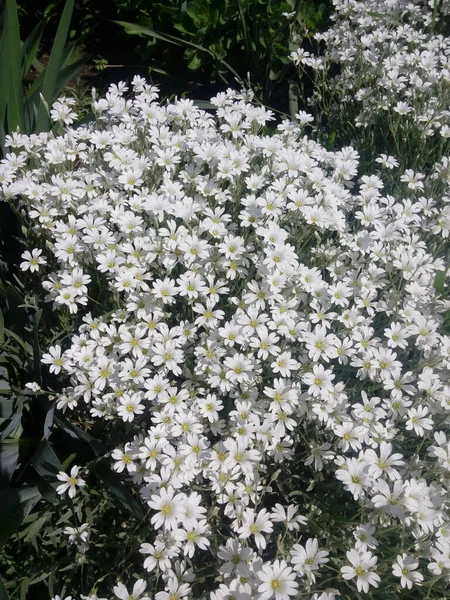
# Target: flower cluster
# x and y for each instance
(265, 308)
(393, 69)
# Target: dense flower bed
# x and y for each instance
(269, 310)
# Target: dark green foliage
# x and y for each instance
(224, 42)
(27, 109)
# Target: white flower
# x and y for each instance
(33, 386)
(121, 591)
(55, 359)
(256, 524)
(170, 507)
(32, 260)
(307, 559)
(405, 568)
(158, 556)
(278, 581)
(236, 558)
(361, 567)
(418, 420)
(289, 517)
(71, 482)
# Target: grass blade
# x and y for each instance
(53, 67)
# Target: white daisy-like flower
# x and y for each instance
(70, 482)
(278, 581)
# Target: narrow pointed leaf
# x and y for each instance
(4, 68)
(30, 47)
(14, 89)
(3, 593)
(36, 347)
(54, 66)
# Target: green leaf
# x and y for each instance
(31, 531)
(4, 387)
(195, 62)
(439, 281)
(197, 13)
(54, 66)
(48, 423)
(64, 76)
(36, 349)
(16, 417)
(2, 328)
(46, 463)
(30, 47)
(6, 408)
(11, 54)
(24, 585)
(16, 505)
(14, 299)
(9, 457)
(78, 433)
(3, 593)
(204, 104)
(118, 490)
(11, 427)
(132, 28)
(18, 339)
(446, 323)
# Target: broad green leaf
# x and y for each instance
(54, 66)
(16, 505)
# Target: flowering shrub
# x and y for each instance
(256, 325)
(385, 70)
